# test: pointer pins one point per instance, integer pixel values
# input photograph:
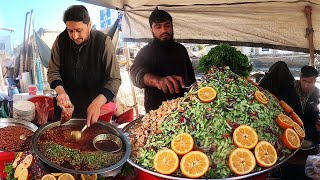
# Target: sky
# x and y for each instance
(47, 14)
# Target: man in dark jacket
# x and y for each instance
(162, 67)
(303, 96)
(83, 68)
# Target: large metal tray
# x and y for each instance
(5, 122)
(107, 171)
(127, 128)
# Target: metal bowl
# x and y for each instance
(127, 128)
(107, 171)
(108, 137)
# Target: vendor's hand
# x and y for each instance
(63, 100)
(171, 84)
(93, 111)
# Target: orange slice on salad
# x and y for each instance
(299, 130)
(241, 161)
(294, 116)
(266, 154)
(260, 97)
(285, 107)
(182, 143)
(66, 176)
(245, 136)
(18, 170)
(194, 164)
(89, 176)
(166, 161)
(290, 139)
(24, 174)
(28, 161)
(284, 121)
(207, 94)
(48, 177)
(17, 159)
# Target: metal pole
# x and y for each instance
(22, 59)
(309, 33)
(27, 62)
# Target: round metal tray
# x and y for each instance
(127, 128)
(5, 122)
(108, 171)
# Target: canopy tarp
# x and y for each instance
(277, 24)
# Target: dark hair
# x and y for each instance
(158, 16)
(309, 71)
(76, 13)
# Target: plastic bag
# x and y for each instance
(42, 109)
(312, 169)
(66, 113)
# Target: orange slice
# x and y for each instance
(285, 107)
(299, 130)
(290, 139)
(266, 154)
(28, 161)
(194, 164)
(17, 159)
(48, 177)
(182, 143)
(296, 118)
(245, 136)
(18, 170)
(24, 174)
(207, 94)
(284, 121)
(241, 161)
(66, 176)
(89, 176)
(259, 96)
(166, 161)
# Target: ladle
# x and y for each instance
(76, 135)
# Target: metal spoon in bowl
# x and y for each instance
(76, 135)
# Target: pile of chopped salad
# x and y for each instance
(210, 124)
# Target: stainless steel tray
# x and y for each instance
(5, 122)
(127, 128)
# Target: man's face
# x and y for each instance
(162, 31)
(307, 83)
(78, 31)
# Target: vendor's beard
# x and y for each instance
(166, 42)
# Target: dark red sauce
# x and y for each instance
(107, 145)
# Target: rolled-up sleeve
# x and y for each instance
(112, 71)
(53, 73)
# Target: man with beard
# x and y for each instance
(83, 68)
(162, 67)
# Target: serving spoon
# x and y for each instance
(76, 135)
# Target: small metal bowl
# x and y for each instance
(108, 137)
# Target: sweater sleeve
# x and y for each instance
(53, 73)
(112, 71)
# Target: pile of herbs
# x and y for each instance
(226, 55)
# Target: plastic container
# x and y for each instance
(32, 89)
(107, 111)
(5, 158)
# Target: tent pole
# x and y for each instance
(135, 104)
(309, 33)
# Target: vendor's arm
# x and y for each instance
(54, 77)
(111, 86)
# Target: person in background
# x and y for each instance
(162, 67)
(303, 96)
(83, 68)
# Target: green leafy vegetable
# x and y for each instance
(226, 55)
(10, 172)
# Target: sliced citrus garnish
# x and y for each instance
(266, 154)
(18, 170)
(48, 177)
(24, 174)
(17, 159)
(284, 121)
(207, 94)
(285, 107)
(259, 96)
(245, 136)
(166, 161)
(299, 130)
(241, 161)
(28, 161)
(66, 176)
(194, 164)
(182, 143)
(89, 176)
(290, 139)
(296, 118)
